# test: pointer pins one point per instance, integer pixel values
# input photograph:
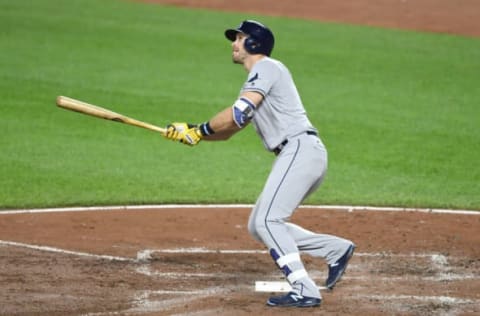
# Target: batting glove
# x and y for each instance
(185, 133)
(191, 136)
(174, 131)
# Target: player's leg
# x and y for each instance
(296, 171)
(337, 251)
(329, 247)
(283, 250)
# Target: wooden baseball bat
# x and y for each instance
(93, 110)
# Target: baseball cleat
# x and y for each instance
(336, 270)
(293, 300)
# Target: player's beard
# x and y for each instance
(238, 57)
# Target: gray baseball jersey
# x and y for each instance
(281, 114)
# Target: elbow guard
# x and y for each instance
(242, 111)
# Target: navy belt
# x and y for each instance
(279, 148)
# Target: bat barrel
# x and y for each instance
(93, 110)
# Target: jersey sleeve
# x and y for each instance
(261, 78)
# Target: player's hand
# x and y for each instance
(185, 133)
(175, 130)
(191, 136)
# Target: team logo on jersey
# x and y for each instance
(251, 80)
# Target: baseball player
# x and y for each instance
(270, 101)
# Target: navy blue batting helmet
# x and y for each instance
(259, 39)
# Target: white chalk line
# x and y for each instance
(147, 270)
(147, 253)
(63, 251)
(347, 208)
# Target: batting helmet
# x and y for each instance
(259, 39)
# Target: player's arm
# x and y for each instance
(234, 118)
(221, 126)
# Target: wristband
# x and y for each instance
(206, 129)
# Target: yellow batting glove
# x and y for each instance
(175, 131)
(191, 136)
(185, 133)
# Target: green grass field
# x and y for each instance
(399, 111)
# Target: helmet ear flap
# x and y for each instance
(251, 45)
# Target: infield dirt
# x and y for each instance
(442, 16)
(406, 263)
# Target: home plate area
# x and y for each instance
(375, 277)
(203, 262)
(184, 280)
